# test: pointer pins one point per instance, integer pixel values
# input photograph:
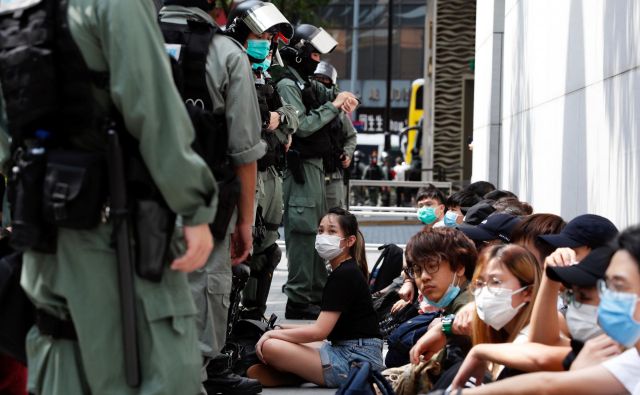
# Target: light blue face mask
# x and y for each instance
(258, 49)
(427, 215)
(264, 66)
(615, 315)
(450, 219)
(448, 297)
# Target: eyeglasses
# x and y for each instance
(569, 297)
(416, 269)
(494, 285)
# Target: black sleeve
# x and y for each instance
(338, 293)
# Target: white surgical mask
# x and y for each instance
(328, 246)
(494, 308)
(583, 322)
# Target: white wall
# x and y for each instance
(570, 106)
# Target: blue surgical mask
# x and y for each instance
(450, 219)
(258, 49)
(264, 66)
(448, 297)
(427, 215)
(615, 316)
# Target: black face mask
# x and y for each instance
(306, 67)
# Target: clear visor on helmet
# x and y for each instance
(323, 42)
(268, 18)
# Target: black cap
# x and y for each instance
(479, 212)
(496, 226)
(585, 230)
(587, 272)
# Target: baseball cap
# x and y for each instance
(479, 212)
(496, 226)
(584, 230)
(585, 273)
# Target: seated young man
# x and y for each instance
(441, 261)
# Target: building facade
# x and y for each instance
(557, 104)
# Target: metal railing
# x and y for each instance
(391, 211)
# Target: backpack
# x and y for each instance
(241, 343)
(404, 337)
(363, 380)
(387, 267)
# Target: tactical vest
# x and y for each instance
(324, 143)
(269, 100)
(188, 47)
(45, 81)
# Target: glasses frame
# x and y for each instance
(433, 265)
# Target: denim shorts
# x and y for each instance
(337, 356)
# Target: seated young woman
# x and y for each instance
(347, 320)
(504, 285)
(618, 316)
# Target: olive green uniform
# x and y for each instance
(230, 84)
(304, 204)
(79, 282)
(269, 199)
(334, 182)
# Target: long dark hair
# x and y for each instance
(349, 226)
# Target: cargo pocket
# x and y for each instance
(302, 215)
(170, 303)
(219, 284)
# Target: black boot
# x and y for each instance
(222, 380)
(262, 268)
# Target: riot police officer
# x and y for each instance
(111, 63)
(217, 70)
(335, 166)
(304, 195)
(279, 122)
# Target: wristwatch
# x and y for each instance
(447, 323)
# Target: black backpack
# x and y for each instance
(387, 267)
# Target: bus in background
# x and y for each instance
(415, 115)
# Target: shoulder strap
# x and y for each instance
(195, 39)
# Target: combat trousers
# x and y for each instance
(304, 206)
(211, 289)
(269, 198)
(80, 283)
(334, 190)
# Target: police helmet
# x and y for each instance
(202, 4)
(358, 156)
(327, 70)
(308, 38)
(258, 17)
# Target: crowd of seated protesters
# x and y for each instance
(512, 301)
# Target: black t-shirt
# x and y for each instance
(346, 291)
